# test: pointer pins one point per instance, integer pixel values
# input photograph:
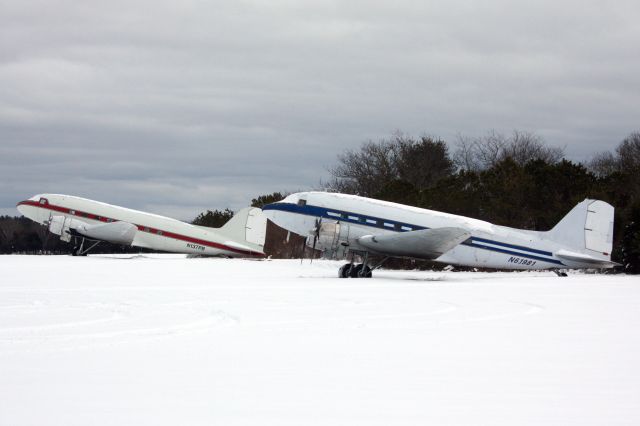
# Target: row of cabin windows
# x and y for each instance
(152, 231)
(378, 222)
(90, 216)
(396, 226)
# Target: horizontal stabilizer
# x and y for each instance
(586, 259)
(423, 244)
(238, 246)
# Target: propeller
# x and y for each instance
(47, 233)
(304, 249)
(316, 235)
(315, 232)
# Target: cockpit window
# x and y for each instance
(302, 202)
(43, 201)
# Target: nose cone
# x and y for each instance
(21, 208)
(35, 208)
(27, 209)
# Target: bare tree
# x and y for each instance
(626, 158)
(523, 147)
(629, 153)
(603, 164)
(366, 171)
(464, 157)
(486, 151)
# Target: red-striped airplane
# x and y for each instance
(81, 219)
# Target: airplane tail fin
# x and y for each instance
(587, 229)
(249, 225)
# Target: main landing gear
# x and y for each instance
(80, 250)
(350, 270)
(360, 270)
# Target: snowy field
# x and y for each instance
(174, 341)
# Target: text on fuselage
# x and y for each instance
(521, 261)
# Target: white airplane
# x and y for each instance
(348, 223)
(83, 219)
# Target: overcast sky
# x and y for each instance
(177, 107)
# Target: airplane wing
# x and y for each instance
(423, 244)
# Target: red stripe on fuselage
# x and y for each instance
(141, 228)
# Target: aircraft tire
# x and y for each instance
(359, 272)
(365, 272)
(344, 271)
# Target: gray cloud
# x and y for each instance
(178, 107)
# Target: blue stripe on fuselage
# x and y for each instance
(346, 216)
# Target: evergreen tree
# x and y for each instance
(263, 200)
(630, 245)
(213, 219)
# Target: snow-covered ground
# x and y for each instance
(173, 341)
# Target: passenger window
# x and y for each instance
(302, 203)
(43, 201)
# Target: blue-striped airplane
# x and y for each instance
(348, 223)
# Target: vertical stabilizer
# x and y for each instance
(248, 225)
(587, 228)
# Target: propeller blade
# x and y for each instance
(304, 249)
(313, 248)
(47, 233)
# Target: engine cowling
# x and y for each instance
(113, 232)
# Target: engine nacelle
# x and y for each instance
(113, 232)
